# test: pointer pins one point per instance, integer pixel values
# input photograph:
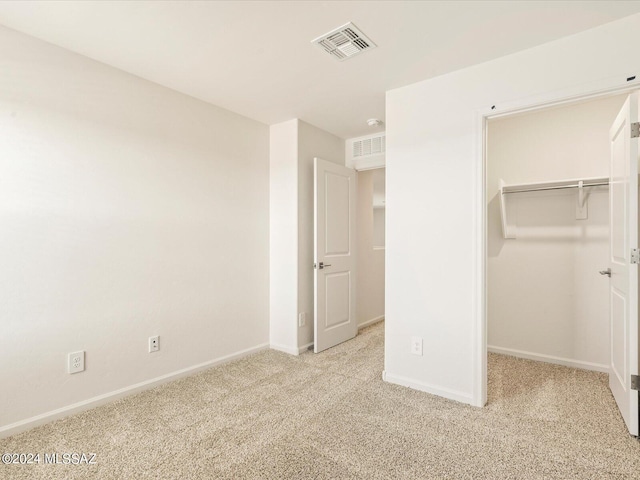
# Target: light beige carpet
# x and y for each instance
(330, 416)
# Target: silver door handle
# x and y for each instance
(321, 265)
(606, 272)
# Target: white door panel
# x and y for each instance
(338, 293)
(337, 241)
(623, 284)
(334, 223)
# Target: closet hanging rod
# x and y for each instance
(557, 187)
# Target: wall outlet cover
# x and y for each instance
(75, 362)
(416, 345)
(154, 343)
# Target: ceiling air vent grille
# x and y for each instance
(368, 146)
(344, 42)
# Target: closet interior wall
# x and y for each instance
(546, 299)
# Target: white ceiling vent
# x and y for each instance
(368, 146)
(344, 42)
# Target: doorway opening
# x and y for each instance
(370, 217)
(349, 245)
(548, 237)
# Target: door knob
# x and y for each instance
(606, 272)
(321, 265)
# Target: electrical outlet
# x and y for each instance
(416, 345)
(75, 362)
(302, 319)
(154, 344)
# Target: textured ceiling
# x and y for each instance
(256, 59)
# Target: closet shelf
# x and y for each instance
(556, 185)
(578, 183)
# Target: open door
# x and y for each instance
(623, 285)
(335, 258)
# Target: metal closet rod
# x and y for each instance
(558, 187)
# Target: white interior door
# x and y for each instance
(335, 258)
(623, 284)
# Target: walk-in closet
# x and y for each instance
(548, 240)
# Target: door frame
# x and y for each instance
(575, 94)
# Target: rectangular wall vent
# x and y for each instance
(368, 146)
(344, 42)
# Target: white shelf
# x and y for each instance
(580, 184)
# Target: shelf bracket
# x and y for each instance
(508, 231)
(581, 207)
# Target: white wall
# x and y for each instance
(283, 233)
(546, 299)
(294, 144)
(370, 271)
(378, 227)
(128, 210)
(435, 202)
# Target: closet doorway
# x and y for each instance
(548, 239)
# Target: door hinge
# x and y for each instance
(635, 255)
(635, 382)
(635, 130)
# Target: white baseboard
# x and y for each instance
(29, 423)
(567, 362)
(304, 348)
(285, 349)
(370, 322)
(432, 389)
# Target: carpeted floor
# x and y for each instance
(330, 416)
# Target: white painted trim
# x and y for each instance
(372, 162)
(370, 322)
(479, 304)
(29, 423)
(304, 348)
(424, 387)
(538, 357)
(575, 93)
(285, 349)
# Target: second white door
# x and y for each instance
(335, 256)
(623, 285)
